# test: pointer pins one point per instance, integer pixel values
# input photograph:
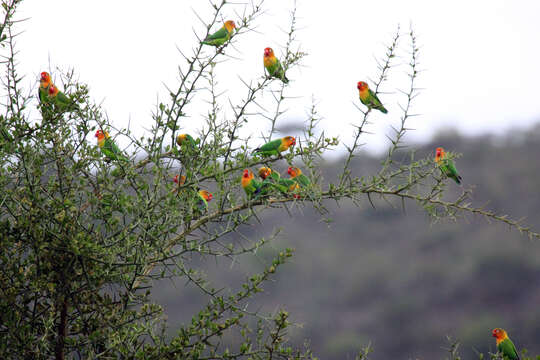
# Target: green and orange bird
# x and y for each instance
(44, 82)
(273, 179)
(108, 147)
(251, 186)
(447, 166)
(204, 197)
(179, 179)
(275, 147)
(273, 65)
(265, 172)
(60, 99)
(504, 344)
(296, 174)
(369, 98)
(186, 141)
(221, 36)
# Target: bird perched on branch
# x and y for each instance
(296, 174)
(186, 140)
(273, 65)
(60, 99)
(44, 82)
(204, 197)
(108, 147)
(369, 98)
(179, 180)
(446, 165)
(504, 345)
(221, 36)
(275, 147)
(251, 186)
(266, 172)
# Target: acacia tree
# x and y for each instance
(84, 237)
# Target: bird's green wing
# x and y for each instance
(375, 102)
(451, 167)
(507, 348)
(62, 99)
(191, 140)
(203, 204)
(451, 171)
(43, 94)
(275, 175)
(303, 180)
(269, 146)
(281, 188)
(276, 70)
(111, 150)
(220, 34)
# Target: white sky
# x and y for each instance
(480, 58)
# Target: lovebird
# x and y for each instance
(446, 165)
(368, 97)
(186, 140)
(108, 147)
(44, 83)
(272, 178)
(273, 66)
(179, 179)
(222, 35)
(275, 147)
(250, 185)
(505, 345)
(60, 99)
(296, 174)
(290, 185)
(204, 198)
(265, 172)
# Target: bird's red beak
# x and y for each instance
(97, 133)
(210, 196)
(267, 52)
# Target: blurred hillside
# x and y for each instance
(391, 277)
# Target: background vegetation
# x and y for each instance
(396, 280)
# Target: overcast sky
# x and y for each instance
(480, 58)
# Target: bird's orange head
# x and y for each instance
(53, 90)
(100, 134)
(247, 174)
(268, 52)
(179, 179)
(207, 195)
(362, 86)
(294, 171)
(45, 78)
(230, 25)
(439, 154)
(181, 138)
(499, 334)
(264, 172)
(289, 141)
